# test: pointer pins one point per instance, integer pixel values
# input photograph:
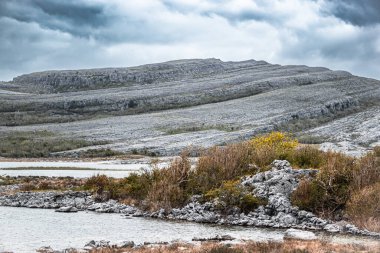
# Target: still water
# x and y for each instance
(66, 173)
(77, 169)
(24, 230)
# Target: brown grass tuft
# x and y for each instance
(292, 246)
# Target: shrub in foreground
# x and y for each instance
(219, 164)
(275, 145)
(364, 207)
(231, 194)
(169, 185)
(341, 179)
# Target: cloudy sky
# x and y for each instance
(39, 35)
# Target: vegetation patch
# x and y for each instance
(288, 246)
(49, 168)
(102, 152)
(344, 185)
(38, 183)
(38, 144)
(232, 194)
(311, 139)
(189, 129)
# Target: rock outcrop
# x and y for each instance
(212, 102)
(68, 201)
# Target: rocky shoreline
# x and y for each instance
(275, 185)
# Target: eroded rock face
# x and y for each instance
(222, 102)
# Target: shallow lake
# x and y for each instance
(103, 165)
(66, 173)
(24, 230)
(79, 169)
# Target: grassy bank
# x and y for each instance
(43, 143)
(344, 188)
(290, 246)
(36, 144)
(40, 183)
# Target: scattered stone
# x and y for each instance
(333, 228)
(98, 244)
(46, 249)
(155, 243)
(218, 238)
(125, 244)
(297, 234)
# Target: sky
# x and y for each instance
(37, 35)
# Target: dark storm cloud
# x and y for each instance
(75, 17)
(356, 12)
(38, 35)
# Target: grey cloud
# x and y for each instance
(75, 17)
(233, 17)
(52, 34)
(99, 21)
(356, 12)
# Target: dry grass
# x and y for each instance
(219, 164)
(364, 207)
(328, 193)
(342, 179)
(367, 170)
(291, 246)
(170, 185)
(39, 183)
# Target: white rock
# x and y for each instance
(297, 234)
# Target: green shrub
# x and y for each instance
(99, 184)
(311, 139)
(232, 194)
(306, 157)
(308, 195)
(329, 192)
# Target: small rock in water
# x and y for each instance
(297, 234)
(67, 209)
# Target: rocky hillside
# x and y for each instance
(165, 107)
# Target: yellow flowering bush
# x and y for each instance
(275, 145)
